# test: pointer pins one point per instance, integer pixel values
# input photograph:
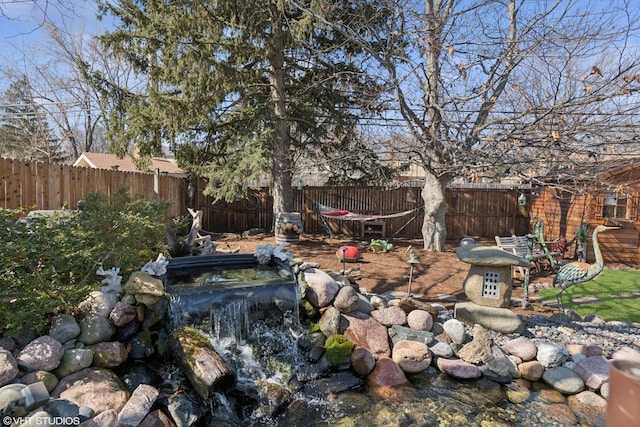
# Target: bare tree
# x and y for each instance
(510, 86)
(61, 83)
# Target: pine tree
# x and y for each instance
(239, 88)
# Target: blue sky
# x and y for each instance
(21, 21)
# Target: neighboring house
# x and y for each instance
(607, 192)
(125, 164)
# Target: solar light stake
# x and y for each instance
(412, 261)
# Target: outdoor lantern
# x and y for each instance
(522, 200)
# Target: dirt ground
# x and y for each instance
(439, 274)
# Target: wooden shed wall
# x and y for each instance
(563, 212)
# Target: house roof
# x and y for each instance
(609, 173)
(125, 164)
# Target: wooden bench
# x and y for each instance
(518, 245)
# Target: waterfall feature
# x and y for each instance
(250, 314)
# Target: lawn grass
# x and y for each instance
(618, 291)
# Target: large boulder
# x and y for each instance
(99, 389)
(42, 354)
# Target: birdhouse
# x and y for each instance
(522, 200)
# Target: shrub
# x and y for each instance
(48, 263)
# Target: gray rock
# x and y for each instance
(138, 406)
(399, 333)
(61, 408)
(42, 354)
(99, 302)
(455, 330)
(362, 361)
(95, 328)
(8, 367)
(346, 300)
(334, 383)
(551, 355)
(109, 354)
(364, 305)
(142, 345)
(74, 359)
(329, 323)
(64, 327)
(7, 343)
(184, 409)
(441, 349)
(98, 388)
(49, 379)
(563, 379)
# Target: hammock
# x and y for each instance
(329, 212)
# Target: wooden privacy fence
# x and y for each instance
(473, 211)
(51, 186)
(478, 212)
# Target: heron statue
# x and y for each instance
(578, 271)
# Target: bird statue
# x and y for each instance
(578, 271)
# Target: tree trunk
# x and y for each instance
(434, 230)
(282, 168)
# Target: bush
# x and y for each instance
(48, 263)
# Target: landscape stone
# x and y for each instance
(42, 354)
(593, 370)
(322, 288)
(390, 316)
(64, 327)
(98, 388)
(522, 347)
(494, 318)
(563, 379)
(8, 367)
(420, 320)
(138, 406)
(411, 356)
(95, 328)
